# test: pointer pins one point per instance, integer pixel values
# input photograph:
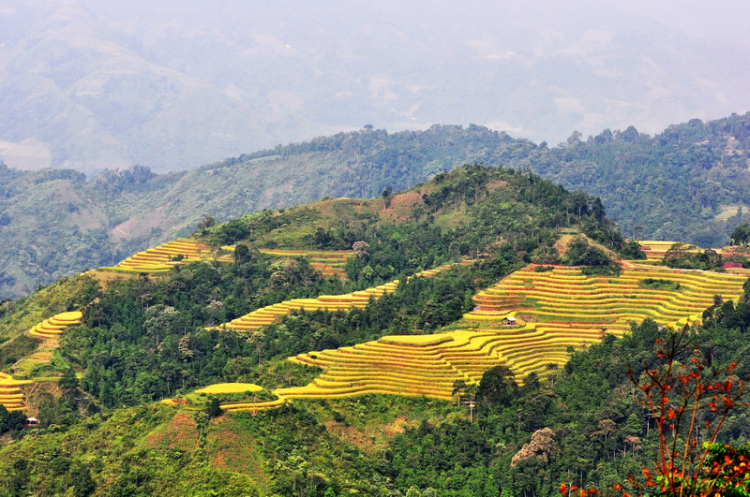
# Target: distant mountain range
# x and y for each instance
(172, 85)
(690, 182)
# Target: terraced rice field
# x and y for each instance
(556, 309)
(566, 295)
(48, 330)
(399, 365)
(267, 315)
(10, 392)
(655, 251)
(327, 262)
(568, 308)
(56, 325)
(162, 258)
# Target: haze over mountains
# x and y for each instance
(171, 85)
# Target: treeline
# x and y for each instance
(670, 186)
(496, 208)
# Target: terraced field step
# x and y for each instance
(267, 315)
(10, 392)
(162, 258)
(56, 325)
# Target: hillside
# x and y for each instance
(273, 338)
(282, 376)
(102, 221)
(689, 182)
(118, 213)
(473, 212)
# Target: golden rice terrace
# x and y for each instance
(528, 321)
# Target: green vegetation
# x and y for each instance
(544, 269)
(659, 284)
(683, 256)
(16, 349)
(741, 235)
(677, 185)
(521, 438)
(525, 406)
(119, 213)
(159, 323)
(596, 262)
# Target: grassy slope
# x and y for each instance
(165, 451)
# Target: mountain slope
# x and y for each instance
(118, 213)
(472, 211)
(146, 337)
(689, 183)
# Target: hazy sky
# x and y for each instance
(175, 83)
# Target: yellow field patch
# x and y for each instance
(162, 258)
(10, 392)
(56, 325)
(559, 309)
(267, 315)
(230, 388)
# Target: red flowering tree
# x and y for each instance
(689, 398)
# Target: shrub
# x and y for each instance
(659, 284)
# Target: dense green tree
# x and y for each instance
(11, 421)
(497, 386)
(740, 235)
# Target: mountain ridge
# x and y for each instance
(121, 212)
